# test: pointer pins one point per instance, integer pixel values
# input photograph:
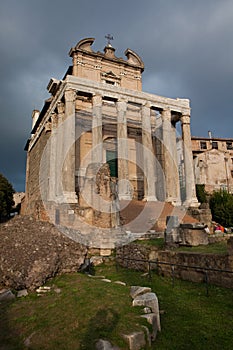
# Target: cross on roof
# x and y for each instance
(109, 38)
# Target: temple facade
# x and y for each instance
(100, 139)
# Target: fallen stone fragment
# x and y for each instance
(27, 341)
(137, 290)
(105, 345)
(96, 260)
(147, 310)
(96, 276)
(57, 290)
(22, 293)
(152, 319)
(6, 295)
(120, 282)
(148, 335)
(135, 340)
(41, 290)
(106, 280)
(149, 300)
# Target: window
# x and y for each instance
(214, 144)
(111, 158)
(229, 145)
(203, 145)
(110, 82)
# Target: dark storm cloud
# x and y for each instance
(186, 46)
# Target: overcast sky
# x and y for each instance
(186, 46)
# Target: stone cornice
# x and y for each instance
(50, 110)
(116, 92)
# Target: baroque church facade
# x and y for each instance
(99, 139)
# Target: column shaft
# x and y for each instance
(191, 199)
(69, 148)
(122, 150)
(97, 137)
(172, 191)
(59, 150)
(148, 156)
(53, 157)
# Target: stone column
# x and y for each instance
(190, 198)
(69, 148)
(122, 150)
(172, 191)
(148, 156)
(53, 157)
(59, 150)
(97, 137)
(176, 178)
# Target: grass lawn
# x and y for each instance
(87, 309)
(214, 248)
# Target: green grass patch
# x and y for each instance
(213, 248)
(156, 242)
(87, 309)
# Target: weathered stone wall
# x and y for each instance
(134, 252)
(34, 206)
(204, 261)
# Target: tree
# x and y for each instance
(6, 197)
(221, 205)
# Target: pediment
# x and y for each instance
(133, 58)
(111, 75)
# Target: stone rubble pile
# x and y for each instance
(33, 251)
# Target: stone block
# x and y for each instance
(135, 340)
(105, 345)
(105, 252)
(137, 290)
(152, 319)
(149, 300)
(6, 295)
(193, 234)
(22, 293)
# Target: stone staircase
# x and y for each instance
(141, 217)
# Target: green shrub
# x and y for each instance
(221, 205)
(6, 197)
(201, 194)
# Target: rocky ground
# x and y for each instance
(33, 251)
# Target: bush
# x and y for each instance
(6, 197)
(201, 194)
(221, 205)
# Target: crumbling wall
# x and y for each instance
(130, 255)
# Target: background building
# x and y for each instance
(213, 162)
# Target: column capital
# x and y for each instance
(121, 105)
(60, 107)
(147, 104)
(97, 99)
(166, 114)
(185, 119)
(70, 95)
